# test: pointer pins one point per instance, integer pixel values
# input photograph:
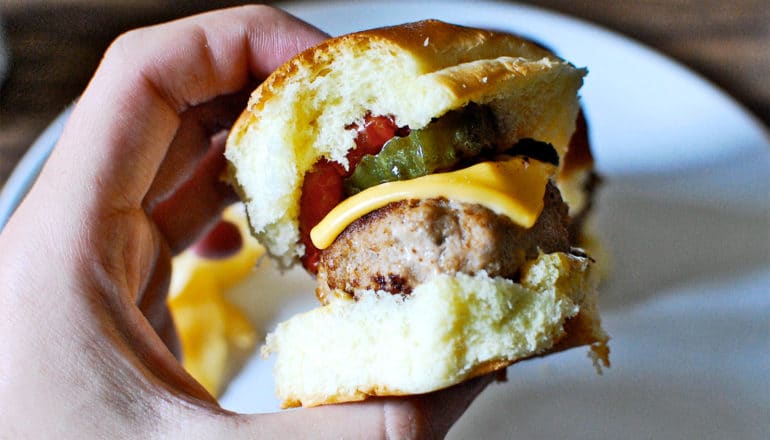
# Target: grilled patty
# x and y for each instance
(406, 243)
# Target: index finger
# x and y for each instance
(128, 115)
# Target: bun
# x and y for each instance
(414, 72)
(448, 330)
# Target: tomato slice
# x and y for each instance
(321, 192)
(371, 138)
(323, 188)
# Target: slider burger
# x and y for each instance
(415, 170)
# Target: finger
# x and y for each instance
(166, 330)
(129, 114)
(154, 360)
(151, 300)
(192, 141)
(426, 416)
(443, 408)
(201, 200)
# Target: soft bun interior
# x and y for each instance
(416, 72)
(448, 330)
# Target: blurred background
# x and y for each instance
(54, 47)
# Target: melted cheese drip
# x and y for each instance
(513, 187)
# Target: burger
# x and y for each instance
(420, 172)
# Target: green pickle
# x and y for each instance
(441, 145)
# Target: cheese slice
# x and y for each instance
(513, 187)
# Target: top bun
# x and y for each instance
(307, 109)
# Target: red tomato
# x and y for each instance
(371, 138)
(323, 189)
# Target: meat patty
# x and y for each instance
(407, 243)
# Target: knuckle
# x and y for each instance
(124, 42)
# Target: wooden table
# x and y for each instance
(56, 45)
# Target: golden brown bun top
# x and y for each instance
(414, 72)
(450, 44)
(434, 44)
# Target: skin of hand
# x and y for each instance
(86, 340)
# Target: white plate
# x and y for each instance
(685, 211)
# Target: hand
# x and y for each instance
(86, 339)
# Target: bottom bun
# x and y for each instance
(446, 331)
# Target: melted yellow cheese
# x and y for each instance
(513, 187)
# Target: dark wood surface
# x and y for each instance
(56, 45)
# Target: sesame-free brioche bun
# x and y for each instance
(449, 327)
(415, 72)
(448, 330)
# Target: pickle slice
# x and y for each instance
(441, 145)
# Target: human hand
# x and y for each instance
(87, 339)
